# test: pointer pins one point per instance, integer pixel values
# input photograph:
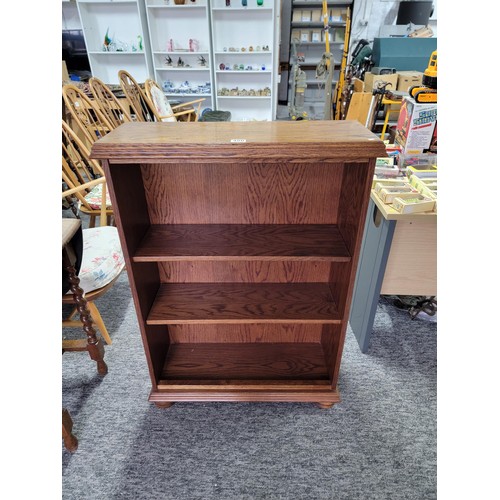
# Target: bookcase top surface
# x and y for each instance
(301, 141)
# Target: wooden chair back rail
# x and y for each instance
(87, 114)
(76, 190)
(138, 100)
(75, 160)
(108, 103)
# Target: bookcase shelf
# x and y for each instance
(220, 303)
(241, 242)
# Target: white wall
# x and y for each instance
(369, 15)
(70, 17)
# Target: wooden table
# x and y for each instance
(398, 257)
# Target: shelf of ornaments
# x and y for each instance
(242, 71)
(106, 1)
(181, 69)
(249, 97)
(185, 6)
(243, 53)
(115, 52)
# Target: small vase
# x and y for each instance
(260, 2)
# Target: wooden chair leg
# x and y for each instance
(94, 346)
(92, 221)
(70, 440)
(97, 319)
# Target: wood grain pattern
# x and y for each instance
(241, 313)
(242, 193)
(412, 263)
(245, 333)
(245, 362)
(269, 142)
(243, 303)
(244, 272)
(240, 393)
(260, 242)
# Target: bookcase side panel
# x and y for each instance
(132, 220)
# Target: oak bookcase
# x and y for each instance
(241, 241)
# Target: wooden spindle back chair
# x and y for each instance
(86, 113)
(139, 102)
(164, 112)
(83, 179)
(109, 104)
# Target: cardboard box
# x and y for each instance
(357, 84)
(316, 35)
(415, 128)
(424, 172)
(317, 16)
(338, 15)
(372, 80)
(305, 35)
(330, 36)
(412, 204)
(338, 34)
(378, 184)
(297, 15)
(306, 16)
(409, 79)
(388, 194)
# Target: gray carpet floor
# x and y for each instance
(378, 443)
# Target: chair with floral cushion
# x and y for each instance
(78, 170)
(162, 109)
(101, 264)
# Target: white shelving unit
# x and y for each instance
(181, 49)
(125, 23)
(308, 34)
(244, 39)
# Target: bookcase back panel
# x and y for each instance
(243, 272)
(251, 193)
(267, 333)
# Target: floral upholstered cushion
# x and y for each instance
(102, 259)
(94, 197)
(162, 105)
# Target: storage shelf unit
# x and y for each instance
(237, 33)
(182, 33)
(241, 242)
(309, 37)
(125, 23)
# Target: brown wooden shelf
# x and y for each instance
(168, 242)
(253, 366)
(183, 303)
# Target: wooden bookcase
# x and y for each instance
(241, 241)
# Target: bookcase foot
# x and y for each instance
(166, 404)
(324, 406)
